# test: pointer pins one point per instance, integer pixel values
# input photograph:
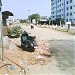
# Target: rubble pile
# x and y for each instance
(40, 56)
(43, 47)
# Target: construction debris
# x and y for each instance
(42, 52)
(21, 59)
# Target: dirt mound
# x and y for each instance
(18, 55)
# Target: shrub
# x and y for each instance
(14, 32)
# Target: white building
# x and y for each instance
(63, 9)
(43, 18)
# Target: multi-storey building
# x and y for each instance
(64, 9)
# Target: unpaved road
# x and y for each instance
(63, 52)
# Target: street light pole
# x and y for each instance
(29, 15)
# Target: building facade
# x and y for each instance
(43, 20)
(63, 9)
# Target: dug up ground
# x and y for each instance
(18, 61)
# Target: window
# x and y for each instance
(71, 14)
(60, 5)
(58, 1)
(53, 3)
(53, 16)
(66, 8)
(71, 20)
(60, 10)
(52, 0)
(70, 7)
(67, 14)
(66, 20)
(67, 2)
(70, 1)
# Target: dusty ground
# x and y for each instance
(33, 63)
(16, 56)
(41, 51)
(62, 48)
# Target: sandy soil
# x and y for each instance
(16, 56)
(40, 62)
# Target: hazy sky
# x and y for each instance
(20, 7)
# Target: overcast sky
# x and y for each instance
(20, 7)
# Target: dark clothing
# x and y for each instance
(32, 27)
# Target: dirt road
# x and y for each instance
(62, 49)
(62, 61)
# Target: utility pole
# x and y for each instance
(1, 25)
(49, 20)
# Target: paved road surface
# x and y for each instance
(62, 48)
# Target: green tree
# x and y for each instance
(34, 16)
(29, 18)
(23, 21)
(62, 21)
